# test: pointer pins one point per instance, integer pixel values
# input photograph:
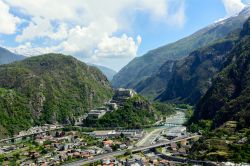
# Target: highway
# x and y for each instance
(121, 152)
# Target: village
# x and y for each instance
(56, 144)
(66, 146)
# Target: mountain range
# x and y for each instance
(228, 98)
(151, 73)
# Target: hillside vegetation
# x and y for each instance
(135, 113)
(223, 114)
(47, 89)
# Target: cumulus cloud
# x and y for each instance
(7, 20)
(89, 29)
(115, 47)
(233, 7)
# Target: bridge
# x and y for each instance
(122, 152)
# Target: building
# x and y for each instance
(96, 114)
(132, 133)
(121, 95)
(176, 132)
(111, 106)
(135, 133)
(104, 133)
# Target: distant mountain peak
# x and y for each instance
(7, 56)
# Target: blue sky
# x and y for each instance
(108, 32)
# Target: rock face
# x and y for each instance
(155, 85)
(9, 57)
(143, 68)
(228, 98)
(192, 75)
(49, 88)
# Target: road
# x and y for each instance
(117, 153)
(178, 118)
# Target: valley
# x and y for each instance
(125, 83)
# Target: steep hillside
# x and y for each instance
(192, 75)
(135, 113)
(8, 57)
(156, 84)
(143, 67)
(48, 88)
(228, 98)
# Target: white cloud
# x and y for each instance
(41, 27)
(88, 29)
(115, 47)
(28, 49)
(178, 17)
(7, 20)
(233, 7)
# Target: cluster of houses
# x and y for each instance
(120, 96)
(137, 159)
(39, 129)
(60, 146)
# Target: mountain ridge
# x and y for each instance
(142, 68)
(49, 88)
(7, 56)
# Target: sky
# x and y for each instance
(105, 32)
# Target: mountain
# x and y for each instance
(156, 84)
(228, 98)
(142, 68)
(109, 73)
(223, 114)
(8, 57)
(47, 89)
(192, 75)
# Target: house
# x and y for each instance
(182, 151)
(173, 146)
(40, 141)
(154, 160)
(123, 146)
(76, 154)
(34, 154)
(107, 142)
(163, 162)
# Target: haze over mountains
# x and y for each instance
(150, 73)
(7, 57)
(109, 73)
